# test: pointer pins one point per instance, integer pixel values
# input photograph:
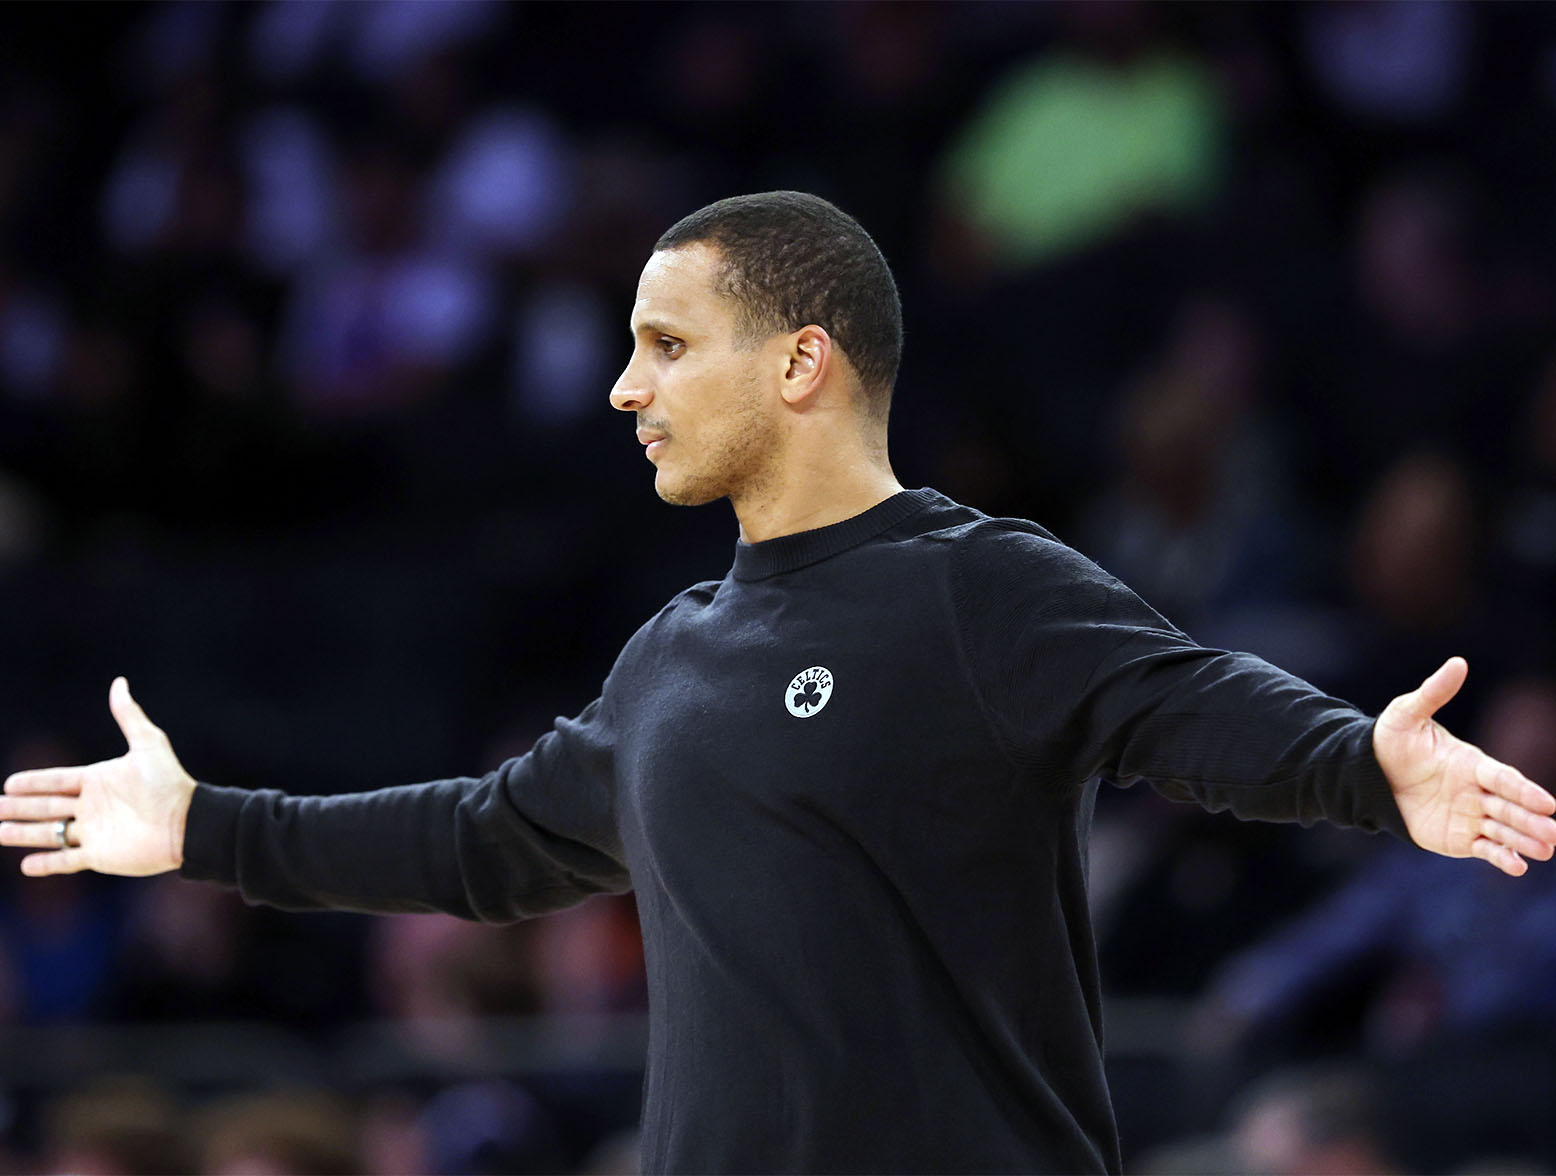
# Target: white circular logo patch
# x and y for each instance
(809, 692)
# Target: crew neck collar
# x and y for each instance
(787, 553)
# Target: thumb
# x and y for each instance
(137, 728)
(1433, 694)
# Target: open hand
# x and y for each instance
(123, 816)
(1456, 799)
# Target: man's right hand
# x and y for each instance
(126, 815)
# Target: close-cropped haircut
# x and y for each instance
(790, 259)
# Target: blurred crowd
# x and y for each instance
(308, 311)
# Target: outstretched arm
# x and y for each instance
(1455, 799)
(120, 816)
(535, 834)
(1079, 678)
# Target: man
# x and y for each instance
(850, 783)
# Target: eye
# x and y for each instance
(670, 347)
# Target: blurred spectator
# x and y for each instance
(32, 336)
(381, 328)
(1175, 889)
(1402, 60)
(1425, 363)
(440, 975)
(505, 187)
(393, 1138)
(1198, 523)
(1195, 522)
(284, 1133)
(99, 371)
(1416, 572)
(1322, 1122)
(1413, 556)
(616, 1155)
(1428, 924)
(292, 199)
(115, 1127)
(890, 58)
(1428, 920)
(176, 188)
(28, 115)
(23, 526)
(562, 344)
(1317, 1121)
(172, 41)
(491, 1127)
(62, 938)
(1412, 267)
(184, 947)
(379, 39)
(589, 959)
(287, 41)
(1074, 145)
(1527, 527)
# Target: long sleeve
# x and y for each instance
(537, 834)
(1079, 677)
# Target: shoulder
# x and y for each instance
(1012, 575)
(965, 535)
(649, 650)
(684, 607)
(985, 560)
(698, 596)
(1002, 554)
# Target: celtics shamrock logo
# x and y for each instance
(807, 694)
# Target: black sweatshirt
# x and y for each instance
(851, 785)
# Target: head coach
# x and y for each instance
(850, 783)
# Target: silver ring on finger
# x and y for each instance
(61, 829)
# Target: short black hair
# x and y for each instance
(791, 259)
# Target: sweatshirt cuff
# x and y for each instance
(1379, 809)
(211, 835)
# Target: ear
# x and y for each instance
(809, 363)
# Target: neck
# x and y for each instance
(814, 494)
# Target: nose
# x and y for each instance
(630, 394)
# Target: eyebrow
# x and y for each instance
(655, 326)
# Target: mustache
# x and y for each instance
(654, 426)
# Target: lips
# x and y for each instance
(652, 441)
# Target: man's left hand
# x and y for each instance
(1456, 799)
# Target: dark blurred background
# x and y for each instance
(308, 312)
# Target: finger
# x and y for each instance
(1507, 781)
(1432, 695)
(61, 781)
(1506, 812)
(1499, 856)
(1518, 842)
(30, 834)
(36, 808)
(61, 861)
(137, 728)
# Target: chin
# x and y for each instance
(686, 491)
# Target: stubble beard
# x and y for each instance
(737, 458)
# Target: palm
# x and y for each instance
(1455, 799)
(126, 814)
(120, 832)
